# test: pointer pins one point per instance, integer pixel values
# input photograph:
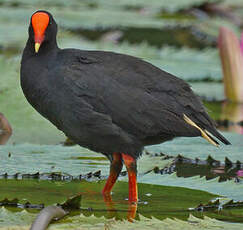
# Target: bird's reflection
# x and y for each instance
(233, 113)
(5, 129)
(131, 212)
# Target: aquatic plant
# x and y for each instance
(239, 173)
(5, 129)
(231, 54)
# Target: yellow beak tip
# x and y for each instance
(37, 47)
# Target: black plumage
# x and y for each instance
(108, 102)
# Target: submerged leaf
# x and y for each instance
(72, 203)
(218, 205)
(210, 168)
(7, 202)
(232, 112)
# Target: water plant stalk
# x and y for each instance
(231, 54)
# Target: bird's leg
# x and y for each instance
(115, 169)
(131, 165)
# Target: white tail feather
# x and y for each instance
(204, 133)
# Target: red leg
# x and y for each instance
(131, 166)
(115, 169)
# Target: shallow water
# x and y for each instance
(157, 201)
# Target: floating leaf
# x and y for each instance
(209, 91)
(210, 168)
(220, 207)
(23, 220)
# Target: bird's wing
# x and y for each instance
(175, 92)
(139, 98)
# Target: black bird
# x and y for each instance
(111, 103)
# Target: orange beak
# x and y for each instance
(40, 21)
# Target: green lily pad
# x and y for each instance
(22, 220)
(200, 148)
(172, 201)
(209, 91)
(156, 201)
(192, 223)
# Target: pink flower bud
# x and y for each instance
(240, 173)
(231, 56)
(241, 43)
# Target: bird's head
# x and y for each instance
(42, 29)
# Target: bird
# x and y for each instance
(110, 103)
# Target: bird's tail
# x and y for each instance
(207, 133)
